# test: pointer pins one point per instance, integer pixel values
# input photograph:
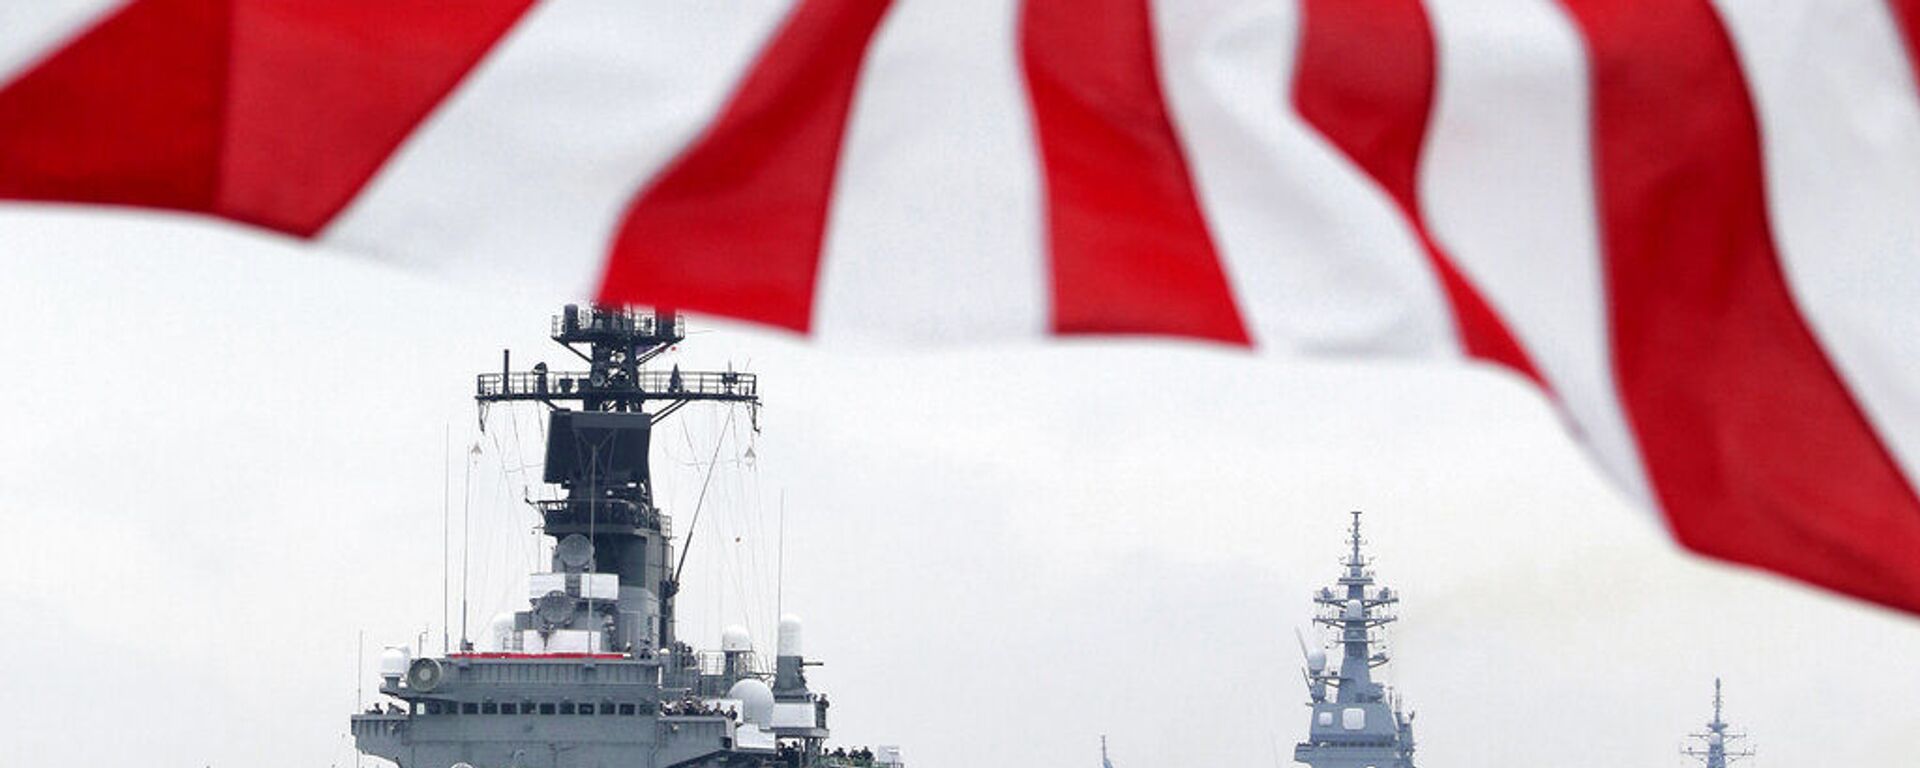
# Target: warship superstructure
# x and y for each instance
(1714, 747)
(592, 673)
(1356, 722)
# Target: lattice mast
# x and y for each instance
(598, 438)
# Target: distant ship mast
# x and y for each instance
(1356, 724)
(1715, 752)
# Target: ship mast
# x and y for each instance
(1354, 723)
(1715, 751)
(1354, 611)
(599, 433)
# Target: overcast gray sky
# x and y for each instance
(223, 461)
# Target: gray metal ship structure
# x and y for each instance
(1715, 745)
(1356, 722)
(591, 673)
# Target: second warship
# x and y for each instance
(1356, 722)
(592, 672)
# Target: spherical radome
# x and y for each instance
(735, 638)
(756, 700)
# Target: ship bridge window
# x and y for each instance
(586, 709)
(489, 708)
(469, 708)
(566, 707)
(628, 709)
(509, 708)
(547, 708)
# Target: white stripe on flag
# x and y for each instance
(1507, 182)
(934, 232)
(1840, 128)
(522, 176)
(31, 29)
(1320, 259)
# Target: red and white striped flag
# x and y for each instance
(1693, 222)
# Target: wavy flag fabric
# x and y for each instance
(1694, 223)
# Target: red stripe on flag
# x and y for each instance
(734, 226)
(270, 112)
(127, 114)
(321, 94)
(1906, 16)
(1365, 79)
(1756, 449)
(1130, 250)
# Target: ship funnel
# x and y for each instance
(789, 641)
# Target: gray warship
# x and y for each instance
(1356, 722)
(1714, 747)
(591, 673)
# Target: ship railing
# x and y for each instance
(609, 509)
(710, 662)
(836, 761)
(663, 385)
(634, 321)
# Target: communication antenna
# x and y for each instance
(780, 564)
(446, 535)
(700, 502)
(1306, 656)
(466, 539)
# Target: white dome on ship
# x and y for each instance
(394, 661)
(789, 641)
(1716, 739)
(735, 638)
(1317, 660)
(756, 701)
(1356, 609)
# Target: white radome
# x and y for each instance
(735, 638)
(756, 701)
(394, 661)
(789, 641)
(1317, 660)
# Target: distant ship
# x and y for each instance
(1359, 723)
(591, 673)
(1714, 748)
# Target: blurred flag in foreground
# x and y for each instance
(1695, 224)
